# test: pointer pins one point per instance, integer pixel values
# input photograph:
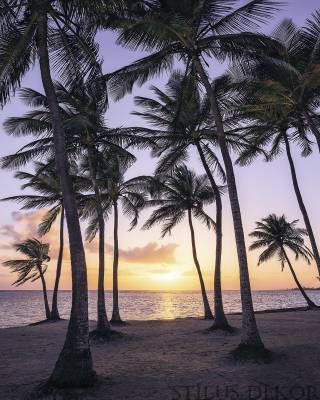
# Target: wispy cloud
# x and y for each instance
(151, 253)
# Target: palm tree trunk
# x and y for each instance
(74, 365)
(54, 310)
(304, 294)
(206, 306)
(115, 312)
(313, 128)
(220, 320)
(45, 294)
(250, 333)
(103, 326)
(301, 203)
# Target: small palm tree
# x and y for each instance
(33, 267)
(276, 235)
(45, 183)
(180, 194)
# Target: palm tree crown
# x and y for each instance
(177, 194)
(275, 234)
(29, 268)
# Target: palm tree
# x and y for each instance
(115, 190)
(177, 195)
(59, 33)
(182, 119)
(191, 32)
(275, 234)
(282, 97)
(33, 267)
(48, 194)
(82, 106)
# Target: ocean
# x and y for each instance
(22, 307)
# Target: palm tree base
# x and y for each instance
(45, 321)
(247, 352)
(73, 370)
(105, 335)
(118, 322)
(313, 307)
(221, 327)
(54, 316)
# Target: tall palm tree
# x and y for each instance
(33, 267)
(192, 31)
(182, 119)
(59, 33)
(176, 196)
(282, 98)
(275, 234)
(115, 191)
(82, 105)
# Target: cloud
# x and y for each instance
(26, 226)
(151, 253)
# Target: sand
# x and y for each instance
(162, 359)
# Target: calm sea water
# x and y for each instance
(24, 307)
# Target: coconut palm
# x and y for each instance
(282, 98)
(181, 119)
(115, 191)
(192, 31)
(275, 235)
(45, 184)
(82, 105)
(178, 195)
(33, 267)
(58, 33)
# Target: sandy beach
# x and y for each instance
(164, 360)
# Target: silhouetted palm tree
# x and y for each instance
(282, 98)
(275, 234)
(82, 106)
(175, 196)
(33, 267)
(62, 34)
(115, 190)
(48, 194)
(191, 32)
(182, 119)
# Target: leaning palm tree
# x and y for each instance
(175, 196)
(83, 105)
(33, 267)
(191, 32)
(60, 34)
(47, 188)
(280, 107)
(276, 235)
(180, 118)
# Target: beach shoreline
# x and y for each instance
(160, 359)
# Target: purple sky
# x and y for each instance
(263, 188)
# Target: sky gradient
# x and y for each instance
(146, 260)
